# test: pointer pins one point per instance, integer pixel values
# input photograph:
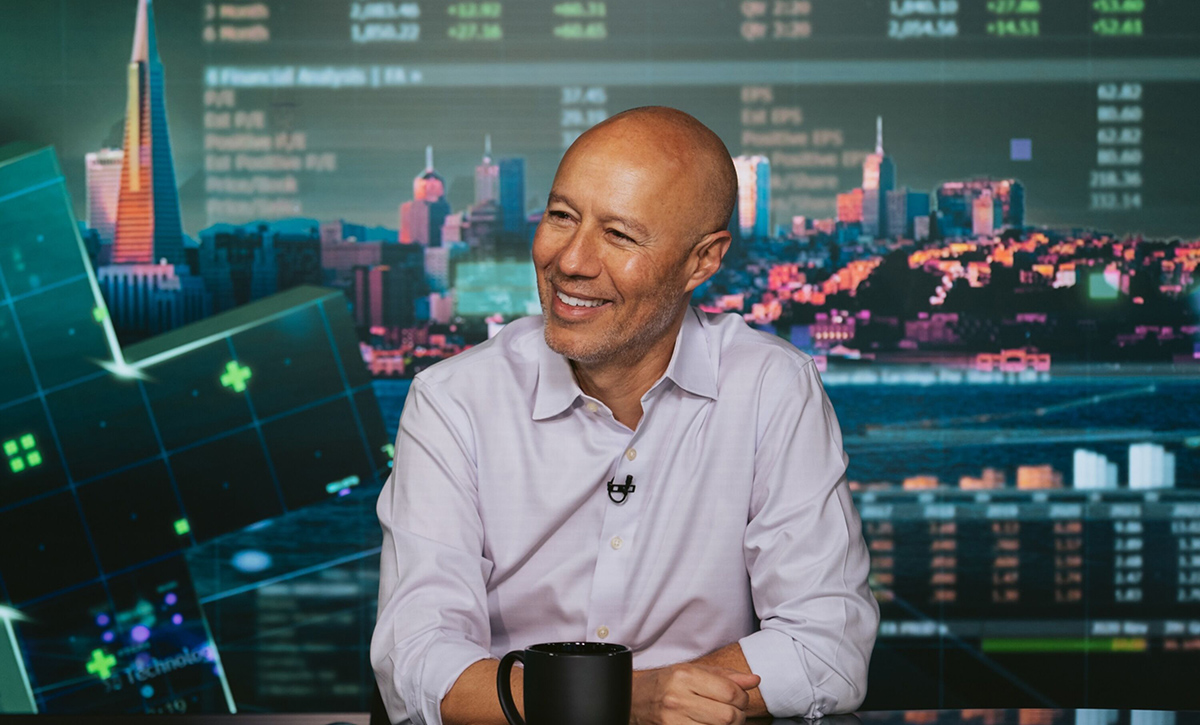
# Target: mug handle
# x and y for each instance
(504, 686)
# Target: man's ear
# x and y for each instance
(706, 257)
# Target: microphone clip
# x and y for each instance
(620, 488)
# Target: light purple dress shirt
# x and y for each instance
(498, 531)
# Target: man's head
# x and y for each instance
(635, 221)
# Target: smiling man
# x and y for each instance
(626, 468)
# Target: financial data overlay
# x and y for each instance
(1080, 99)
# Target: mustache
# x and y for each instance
(554, 282)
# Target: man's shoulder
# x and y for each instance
(747, 352)
(508, 357)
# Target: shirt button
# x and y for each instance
(602, 632)
(616, 542)
(631, 454)
(592, 407)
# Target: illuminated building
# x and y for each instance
(148, 287)
(148, 227)
(103, 190)
(421, 219)
(487, 175)
(437, 267)
(483, 225)
(832, 328)
(1038, 477)
(903, 208)
(376, 296)
(497, 223)
(879, 177)
(240, 264)
(152, 298)
(1151, 466)
(338, 259)
(991, 478)
(452, 228)
(983, 218)
(1093, 471)
(938, 328)
(1013, 361)
(512, 198)
(799, 226)
(920, 228)
(752, 214)
(342, 231)
(441, 307)
(917, 483)
(850, 206)
(404, 279)
(956, 204)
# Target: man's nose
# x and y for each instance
(579, 257)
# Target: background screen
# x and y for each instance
(236, 231)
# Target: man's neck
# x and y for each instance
(621, 383)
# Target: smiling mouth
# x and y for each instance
(577, 301)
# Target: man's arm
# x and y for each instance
(710, 684)
(433, 615)
(807, 559)
(474, 701)
(730, 657)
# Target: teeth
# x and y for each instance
(576, 302)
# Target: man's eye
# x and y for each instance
(619, 235)
(560, 215)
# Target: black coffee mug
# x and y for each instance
(581, 683)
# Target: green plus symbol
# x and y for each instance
(101, 664)
(235, 376)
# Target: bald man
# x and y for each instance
(626, 468)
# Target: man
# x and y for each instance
(733, 565)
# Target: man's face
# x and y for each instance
(615, 236)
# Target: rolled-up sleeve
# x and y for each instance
(807, 559)
(433, 617)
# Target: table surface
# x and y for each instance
(880, 717)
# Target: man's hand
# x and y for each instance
(691, 693)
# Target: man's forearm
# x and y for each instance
(473, 699)
(730, 657)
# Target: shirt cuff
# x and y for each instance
(784, 685)
(443, 663)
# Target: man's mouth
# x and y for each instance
(578, 301)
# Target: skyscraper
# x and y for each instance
(421, 219)
(849, 206)
(983, 215)
(512, 197)
(879, 177)
(103, 190)
(903, 208)
(752, 215)
(956, 202)
(148, 227)
(148, 286)
(487, 175)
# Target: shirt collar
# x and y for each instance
(691, 368)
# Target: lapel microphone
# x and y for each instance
(622, 488)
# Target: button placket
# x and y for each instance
(610, 581)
